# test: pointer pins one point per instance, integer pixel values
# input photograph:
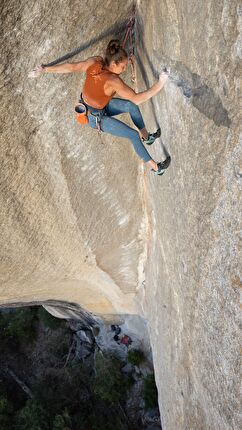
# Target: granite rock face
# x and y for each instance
(71, 202)
(193, 280)
(82, 220)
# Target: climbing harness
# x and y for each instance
(83, 111)
(98, 116)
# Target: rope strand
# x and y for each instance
(128, 33)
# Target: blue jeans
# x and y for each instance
(115, 127)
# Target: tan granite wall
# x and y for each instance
(193, 273)
(71, 205)
(82, 222)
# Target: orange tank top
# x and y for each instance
(93, 89)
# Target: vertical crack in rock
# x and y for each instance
(192, 85)
(202, 97)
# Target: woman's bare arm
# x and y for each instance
(80, 66)
(126, 92)
(66, 68)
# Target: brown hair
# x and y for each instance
(114, 52)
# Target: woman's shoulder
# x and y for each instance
(98, 58)
(93, 61)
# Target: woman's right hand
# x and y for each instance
(163, 76)
(36, 72)
(162, 80)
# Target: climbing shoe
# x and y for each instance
(152, 137)
(162, 166)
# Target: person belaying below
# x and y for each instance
(102, 83)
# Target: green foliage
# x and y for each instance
(18, 327)
(22, 324)
(150, 392)
(6, 410)
(62, 348)
(110, 384)
(65, 398)
(62, 422)
(62, 388)
(49, 320)
(135, 356)
(12, 398)
(32, 417)
(106, 417)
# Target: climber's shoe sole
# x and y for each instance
(162, 166)
(152, 137)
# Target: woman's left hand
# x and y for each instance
(163, 77)
(36, 72)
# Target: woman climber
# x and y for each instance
(101, 84)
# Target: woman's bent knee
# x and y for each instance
(131, 106)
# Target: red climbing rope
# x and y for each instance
(129, 29)
(128, 33)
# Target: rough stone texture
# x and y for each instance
(78, 218)
(72, 224)
(192, 289)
